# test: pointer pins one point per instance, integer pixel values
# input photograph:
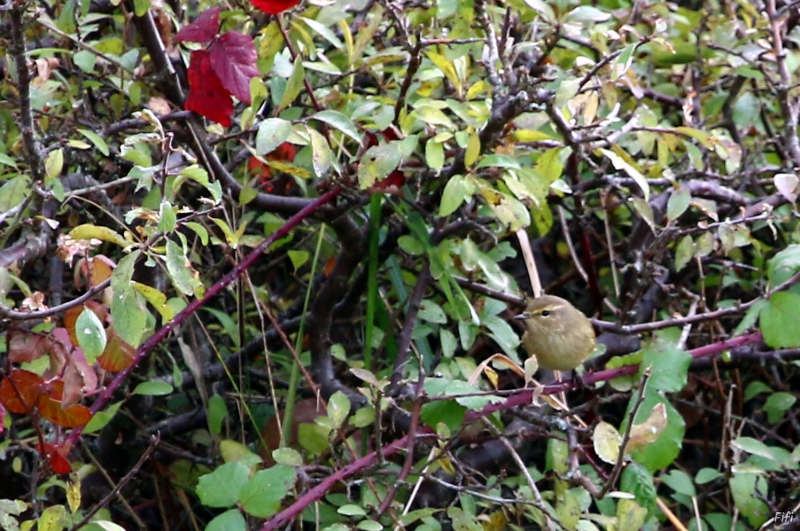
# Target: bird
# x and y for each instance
(558, 334)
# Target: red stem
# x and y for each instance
(523, 398)
(151, 342)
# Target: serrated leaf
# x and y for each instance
(203, 29)
(221, 487)
(233, 58)
(778, 320)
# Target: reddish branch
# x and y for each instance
(145, 348)
(522, 398)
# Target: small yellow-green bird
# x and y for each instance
(558, 334)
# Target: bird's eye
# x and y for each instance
(545, 313)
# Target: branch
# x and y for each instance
(145, 348)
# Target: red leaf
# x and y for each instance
(20, 391)
(57, 455)
(233, 59)
(283, 153)
(395, 180)
(202, 30)
(59, 463)
(207, 96)
(273, 7)
(390, 185)
(118, 354)
(51, 408)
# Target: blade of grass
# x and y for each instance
(294, 376)
(372, 276)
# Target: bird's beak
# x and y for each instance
(521, 317)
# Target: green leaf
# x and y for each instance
(14, 192)
(167, 218)
(128, 313)
(637, 480)
(678, 202)
(779, 320)
(748, 490)
(630, 515)
(455, 192)
(298, 258)
(339, 121)
(87, 231)
(200, 230)
(448, 412)
(683, 252)
(153, 388)
(680, 482)
(706, 475)
(102, 418)
(620, 164)
(293, 86)
(91, 335)
(378, 162)
(661, 453)
(217, 411)
(586, 14)
(351, 510)
(784, 264)
(777, 405)
(287, 456)
(338, 408)
(549, 166)
(262, 495)
(200, 176)
(140, 7)
(54, 164)
(96, 140)
(499, 161)
(272, 132)
(313, 437)
(5, 160)
(434, 156)
(432, 312)
(321, 156)
(363, 417)
(669, 365)
(542, 8)
(236, 452)
(180, 268)
(231, 520)
(473, 149)
(221, 487)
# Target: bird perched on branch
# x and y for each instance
(558, 334)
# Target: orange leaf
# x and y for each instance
(20, 391)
